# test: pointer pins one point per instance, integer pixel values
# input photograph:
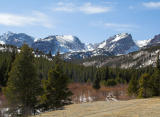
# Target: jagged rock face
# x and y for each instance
(66, 43)
(119, 44)
(139, 59)
(16, 39)
(116, 45)
(150, 42)
(91, 47)
(155, 40)
(87, 54)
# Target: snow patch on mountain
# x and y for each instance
(66, 38)
(91, 47)
(142, 43)
(119, 37)
(61, 43)
(16, 39)
(102, 45)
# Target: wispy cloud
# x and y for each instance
(153, 5)
(87, 8)
(115, 26)
(120, 27)
(36, 18)
(65, 7)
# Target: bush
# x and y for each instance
(110, 82)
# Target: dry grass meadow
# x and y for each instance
(131, 108)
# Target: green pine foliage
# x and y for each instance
(111, 82)
(133, 86)
(56, 94)
(144, 86)
(23, 84)
(96, 83)
(155, 79)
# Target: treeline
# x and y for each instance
(75, 72)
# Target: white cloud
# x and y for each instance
(154, 5)
(37, 18)
(68, 7)
(86, 8)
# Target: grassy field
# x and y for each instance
(132, 108)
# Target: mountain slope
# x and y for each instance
(119, 44)
(116, 45)
(141, 58)
(150, 42)
(72, 48)
(62, 43)
(154, 41)
(142, 43)
(16, 39)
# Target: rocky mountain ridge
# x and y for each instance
(72, 48)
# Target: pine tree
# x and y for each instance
(155, 79)
(144, 89)
(133, 86)
(96, 83)
(56, 94)
(158, 63)
(23, 86)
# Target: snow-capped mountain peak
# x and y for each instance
(119, 37)
(17, 39)
(119, 44)
(116, 45)
(62, 43)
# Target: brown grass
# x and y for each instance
(131, 108)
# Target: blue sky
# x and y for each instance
(91, 20)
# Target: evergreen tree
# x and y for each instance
(155, 79)
(23, 86)
(144, 89)
(155, 83)
(158, 63)
(56, 94)
(133, 86)
(96, 83)
(6, 59)
(110, 82)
